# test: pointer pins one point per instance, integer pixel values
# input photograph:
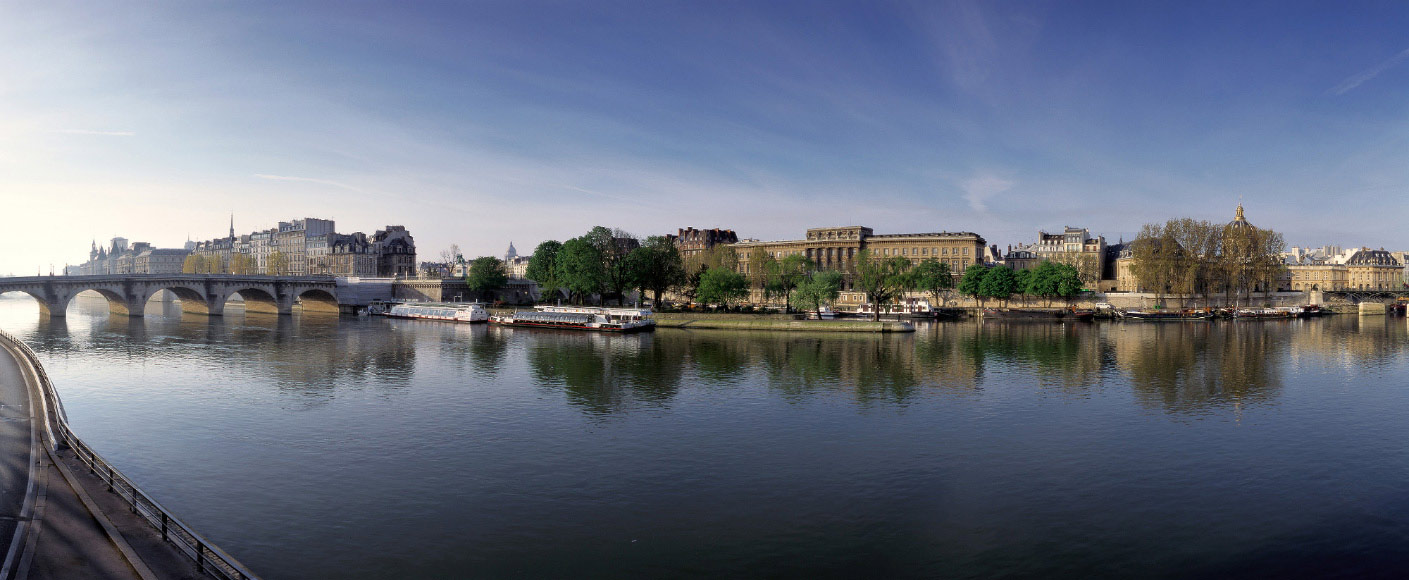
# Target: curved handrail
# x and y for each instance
(207, 556)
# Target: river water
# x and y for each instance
(314, 446)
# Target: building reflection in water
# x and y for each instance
(1178, 368)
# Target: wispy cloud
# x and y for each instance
(1364, 76)
(978, 189)
(91, 132)
(308, 180)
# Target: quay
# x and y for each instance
(65, 513)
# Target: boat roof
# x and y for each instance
(596, 310)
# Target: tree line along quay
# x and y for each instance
(1183, 259)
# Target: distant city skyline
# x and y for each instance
(487, 123)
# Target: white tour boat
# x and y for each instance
(580, 318)
(472, 312)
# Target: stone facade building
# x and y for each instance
(1362, 269)
(1073, 246)
(692, 242)
(137, 258)
(300, 247)
(836, 248)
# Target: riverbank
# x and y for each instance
(775, 322)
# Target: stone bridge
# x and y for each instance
(206, 294)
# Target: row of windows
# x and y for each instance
(921, 251)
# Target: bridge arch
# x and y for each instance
(193, 300)
(317, 300)
(257, 301)
(117, 303)
(39, 299)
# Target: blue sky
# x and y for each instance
(484, 122)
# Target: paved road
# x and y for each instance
(14, 448)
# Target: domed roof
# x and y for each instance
(1368, 257)
(1240, 222)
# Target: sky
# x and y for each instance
(482, 123)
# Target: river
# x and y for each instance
(318, 446)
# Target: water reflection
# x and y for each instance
(602, 373)
(1178, 368)
(1189, 367)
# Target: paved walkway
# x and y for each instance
(79, 530)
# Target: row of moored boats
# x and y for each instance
(561, 317)
(1279, 312)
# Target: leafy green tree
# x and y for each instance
(762, 267)
(1068, 281)
(656, 266)
(543, 268)
(1024, 282)
(1000, 283)
(933, 277)
(818, 289)
(1043, 281)
(614, 246)
(717, 256)
(580, 269)
(791, 271)
(486, 274)
(721, 286)
(972, 282)
(881, 279)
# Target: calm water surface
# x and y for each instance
(371, 448)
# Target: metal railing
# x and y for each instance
(208, 558)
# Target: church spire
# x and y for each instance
(232, 226)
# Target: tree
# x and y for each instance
(933, 277)
(762, 268)
(1043, 281)
(1069, 281)
(881, 279)
(191, 265)
(718, 256)
(818, 289)
(543, 268)
(1025, 278)
(451, 256)
(972, 282)
(789, 272)
(721, 286)
(242, 264)
(999, 282)
(656, 266)
(580, 269)
(277, 264)
(613, 246)
(486, 274)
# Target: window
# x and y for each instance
(924, 251)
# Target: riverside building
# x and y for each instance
(836, 248)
